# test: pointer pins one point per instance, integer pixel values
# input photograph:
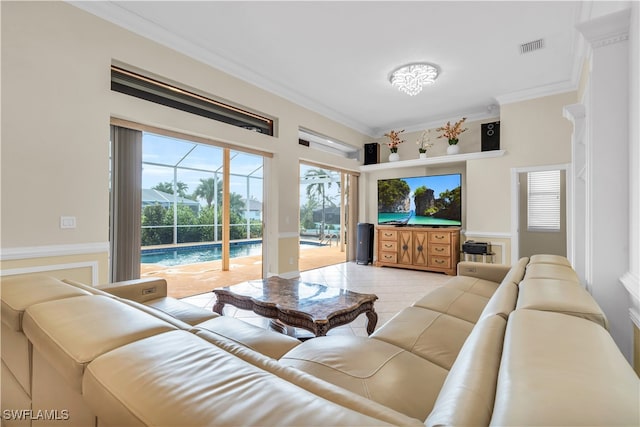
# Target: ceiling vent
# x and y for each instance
(531, 46)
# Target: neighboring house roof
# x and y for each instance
(151, 196)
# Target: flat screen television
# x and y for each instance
(432, 200)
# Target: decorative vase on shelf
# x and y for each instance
(394, 156)
(423, 155)
(453, 147)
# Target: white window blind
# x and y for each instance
(543, 209)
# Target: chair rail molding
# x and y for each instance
(28, 252)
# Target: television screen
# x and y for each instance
(423, 200)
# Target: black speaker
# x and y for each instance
(371, 153)
(490, 136)
(364, 252)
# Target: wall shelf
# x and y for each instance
(438, 160)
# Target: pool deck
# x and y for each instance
(193, 279)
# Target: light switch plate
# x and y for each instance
(67, 222)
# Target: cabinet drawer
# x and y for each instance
(439, 237)
(388, 235)
(440, 250)
(388, 245)
(389, 257)
(440, 262)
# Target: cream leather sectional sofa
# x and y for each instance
(525, 345)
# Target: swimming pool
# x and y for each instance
(170, 257)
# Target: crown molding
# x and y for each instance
(537, 92)
(607, 29)
(123, 18)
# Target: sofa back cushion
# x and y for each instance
(468, 393)
(563, 370)
(20, 292)
(561, 296)
(502, 302)
(71, 332)
(551, 271)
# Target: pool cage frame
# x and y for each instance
(217, 175)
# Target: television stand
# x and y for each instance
(419, 248)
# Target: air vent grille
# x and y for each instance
(531, 46)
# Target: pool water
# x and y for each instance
(194, 254)
(170, 257)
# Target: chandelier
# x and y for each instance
(411, 77)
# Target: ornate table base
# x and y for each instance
(311, 306)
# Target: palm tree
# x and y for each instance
(207, 189)
(320, 181)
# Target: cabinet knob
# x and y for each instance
(419, 248)
(405, 247)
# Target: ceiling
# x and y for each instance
(335, 57)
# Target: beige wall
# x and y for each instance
(57, 104)
(532, 132)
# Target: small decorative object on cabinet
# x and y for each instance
(419, 248)
(394, 157)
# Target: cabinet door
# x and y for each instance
(405, 248)
(420, 248)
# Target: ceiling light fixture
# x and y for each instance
(411, 77)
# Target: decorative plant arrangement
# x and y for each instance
(452, 132)
(423, 142)
(394, 140)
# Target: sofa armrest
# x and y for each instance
(491, 272)
(139, 290)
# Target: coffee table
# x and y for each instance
(311, 306)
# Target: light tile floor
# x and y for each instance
(396, 289)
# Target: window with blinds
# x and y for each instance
(543, 206)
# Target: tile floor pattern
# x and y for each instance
(395, 288)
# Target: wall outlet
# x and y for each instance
(67, 222)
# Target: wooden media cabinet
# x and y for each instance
(419, 248)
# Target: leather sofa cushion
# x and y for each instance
(549, 259)
(181, 310)
(71, 332)
(431, 335)
(18, 293)
(16, 354)
(268, 343)
(502, 302)
(551, 271)
(372, 368)
(563, 370)
(560, 296)
(454, 302)
(179, 379)
(468, 393)
(481, 287)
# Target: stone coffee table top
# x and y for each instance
(311, 306)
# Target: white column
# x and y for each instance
(607, 115)
(631, 280)
(578, 236)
